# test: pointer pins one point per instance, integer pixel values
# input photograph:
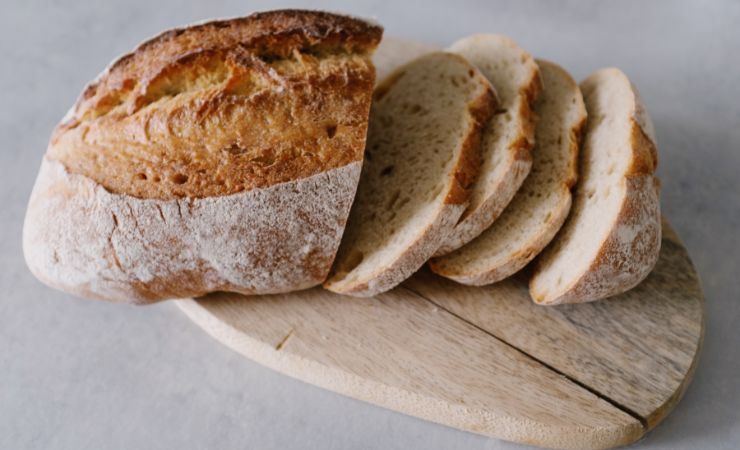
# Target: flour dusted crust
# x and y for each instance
(629, 253)
(221, 156)
(631, 247)
(82, 239)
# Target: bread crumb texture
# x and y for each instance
(541, 205)
(422, 159)
(611, 240)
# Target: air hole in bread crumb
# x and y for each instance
(156, 179)
(179, 178)
(331, 131)
(471, 74)
(141, 176)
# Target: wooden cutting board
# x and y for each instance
(486, 360)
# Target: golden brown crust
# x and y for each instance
(645, 158)
(575, 150)
(525, 144)
(477, 218)
(468, 165)
(631, 248)
(225, 107)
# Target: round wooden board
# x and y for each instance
(486, 360)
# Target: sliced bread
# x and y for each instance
(422, 156)
(507, 141)
(611, 240)
(541, 205)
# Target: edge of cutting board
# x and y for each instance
(439, 362)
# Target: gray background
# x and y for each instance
(78, 374)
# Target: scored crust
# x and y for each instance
(225, 107)
(630, 249)
(163, 183)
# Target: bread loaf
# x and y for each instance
(222, 156)
(611, 240)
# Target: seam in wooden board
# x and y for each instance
(625, 409)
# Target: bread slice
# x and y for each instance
(611, 240)
(507, 140)
(541, 205)
(421, 159)
(222, 156)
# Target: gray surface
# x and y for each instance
(77, 374)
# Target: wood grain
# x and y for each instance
(599, 375)
(637, 348)
(401, 352)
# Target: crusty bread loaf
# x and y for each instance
(541, 205)
(422, 156)
(611, 240)
(222, 156)
(507, 140)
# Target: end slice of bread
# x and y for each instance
(542, 204)
(507, 141)
(611, 239)
(422, 156)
